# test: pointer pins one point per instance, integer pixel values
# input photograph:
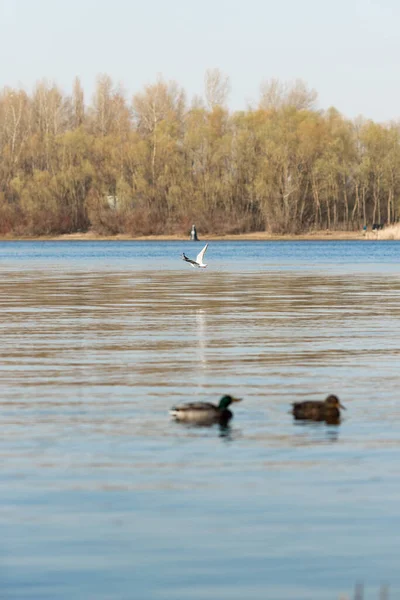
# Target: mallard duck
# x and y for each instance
(318, 411)
(205, 413)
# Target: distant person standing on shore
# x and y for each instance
(193, 234)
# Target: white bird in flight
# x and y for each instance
(199, 259)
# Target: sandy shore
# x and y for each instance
(257, 236)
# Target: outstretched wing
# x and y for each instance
(201, 254)
(189, 260)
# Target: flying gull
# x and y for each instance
(199, 259)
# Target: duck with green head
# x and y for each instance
(205, 413)
(312, 410)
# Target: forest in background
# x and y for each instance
(156, 164)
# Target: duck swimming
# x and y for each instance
(328, 411)
(205, 413)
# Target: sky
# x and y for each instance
(347, 50)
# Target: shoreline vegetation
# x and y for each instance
(388, 233)
(149, 166)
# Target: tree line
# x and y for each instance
(156, 164)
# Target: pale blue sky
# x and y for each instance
(348, 50)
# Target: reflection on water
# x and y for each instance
(201, 337)
(312, 429)
(101, 493)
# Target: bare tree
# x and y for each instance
(276, 94)
(102, 104)
(217, 88)
(197, 102)
(49, 107)
(158, 102)
(272, 94)
(78, 103)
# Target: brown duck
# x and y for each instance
(328, 411)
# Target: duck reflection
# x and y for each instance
(321, 431)
(229, 433)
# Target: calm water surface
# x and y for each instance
(102, 496)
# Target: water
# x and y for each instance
(102, 496)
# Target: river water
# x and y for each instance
(102, 496)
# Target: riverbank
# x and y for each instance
(256, 236)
